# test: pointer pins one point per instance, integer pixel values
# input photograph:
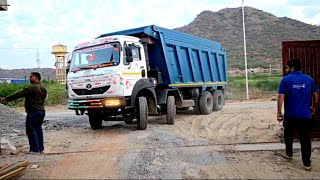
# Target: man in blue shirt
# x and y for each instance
(296, 91)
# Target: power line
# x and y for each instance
(27, 48)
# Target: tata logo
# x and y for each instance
(88, 86)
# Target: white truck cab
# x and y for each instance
(102, 75)
(101, 69)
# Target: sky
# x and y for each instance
(29, 28)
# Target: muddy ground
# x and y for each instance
(197, 146)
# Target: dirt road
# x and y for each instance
(232, 143)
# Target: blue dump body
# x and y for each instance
(184, 60)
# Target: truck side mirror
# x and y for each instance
(129, 57)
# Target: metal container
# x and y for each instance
(309, 54)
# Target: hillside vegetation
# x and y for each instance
(264, 34)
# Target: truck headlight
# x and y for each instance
(113, 102)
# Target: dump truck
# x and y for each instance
(308, 51)
(146, 71)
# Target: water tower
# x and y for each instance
(60, 51)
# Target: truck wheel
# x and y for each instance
(142, 115)
(206, 103)
(95, 120)
(128, 118)
(196, 106)
(218, 100)
(171, 110)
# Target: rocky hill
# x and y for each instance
(264, 34)
(46, 73)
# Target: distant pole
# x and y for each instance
(245, 50)
(38, 59)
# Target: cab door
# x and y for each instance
(134, 66)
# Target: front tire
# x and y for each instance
(95, 120)
(128, 116)
(142, 114)
(171, 110)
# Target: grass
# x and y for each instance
(259, 86)
(57, 93)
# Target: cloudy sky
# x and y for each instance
(32, 27)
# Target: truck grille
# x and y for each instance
(92, 91)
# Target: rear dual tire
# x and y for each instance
(208, 102)
(218, 100)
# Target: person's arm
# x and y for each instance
(18, 95)
(280, 101)
(314, 102)
(2, 100)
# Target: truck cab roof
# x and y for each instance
(106, 39)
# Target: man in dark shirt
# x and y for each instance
(34, 104)
(296, 91)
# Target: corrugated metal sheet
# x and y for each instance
(14, 81)
(309, 54)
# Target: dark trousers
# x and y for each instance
(34, 130)
(303, 128)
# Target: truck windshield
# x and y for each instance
(96, 57)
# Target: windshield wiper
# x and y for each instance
(100, 65)
(80, 68)
(86, 67)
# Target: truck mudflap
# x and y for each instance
(85, 104)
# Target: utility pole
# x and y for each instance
(38, 59)
(245, 50)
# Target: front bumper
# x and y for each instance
(112, 103)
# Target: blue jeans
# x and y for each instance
(34, 130)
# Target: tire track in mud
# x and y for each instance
(236, 123)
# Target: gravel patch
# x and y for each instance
(150, 164)
(64, 119)
(10, 120)
(168, 163)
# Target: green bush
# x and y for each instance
(57, 93)
(7, 89)
(259, 85)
